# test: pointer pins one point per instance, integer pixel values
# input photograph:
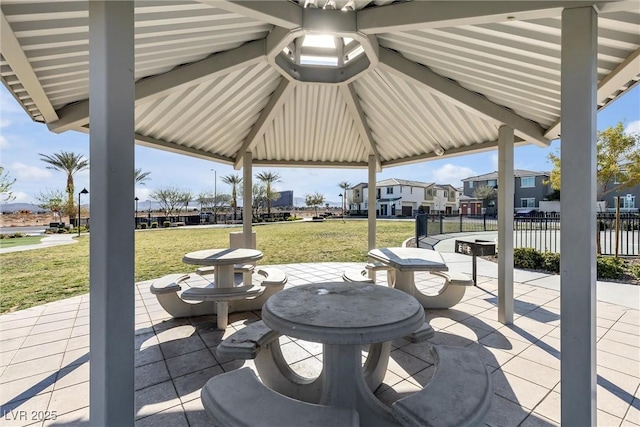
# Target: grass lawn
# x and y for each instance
(38, 276)
(20, 241)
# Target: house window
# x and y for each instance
(429, 193)
(492, 183)
(446, 193)
(527, 181)
(529, 202)
(389, 190)
(628, 202)
(470, 184)
(357, 193)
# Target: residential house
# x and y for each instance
(400, 197)
(530, 188)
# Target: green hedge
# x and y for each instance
(608, 267)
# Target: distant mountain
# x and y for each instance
(16, 207)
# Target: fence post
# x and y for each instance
(441, 220)
(461, 223)
(484, 221)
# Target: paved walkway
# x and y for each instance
(46, 242)
(618, 293)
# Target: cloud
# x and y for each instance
(142, 194)
(633, 127)
(28, 173)
(4, 122)
(21, 197)
(4, 144)
(452, 174)
(494, 161)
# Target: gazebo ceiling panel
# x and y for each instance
(213, 116)
(443, 75)
(312, 125)
(56, 39)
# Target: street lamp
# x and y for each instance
(342, 203)
(84, 191)
(136, 221)
(215, 196)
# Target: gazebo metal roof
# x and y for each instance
(441, 76)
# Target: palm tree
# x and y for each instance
(141, 177)
(69, 163)
(344, 185)
(268, 178)
(234, 181)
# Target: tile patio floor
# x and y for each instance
(44, 357)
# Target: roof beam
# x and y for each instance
(453, 152)
(280, 13)
(616, 80)
(464, 98)
(77, 115)
(15, 56)
(619, 6)
(160, 144)
(353, 104)
(420, 15)
(278, 98)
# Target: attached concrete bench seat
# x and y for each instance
(459, 393)
(222, 294)
(239, 399)
(450, 294)
(258, 341)
(271, 276)
(186, 295)
(366, 275)
(238, 268)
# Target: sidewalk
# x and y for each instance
(46, 242)
(622, 294)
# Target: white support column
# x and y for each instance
(247, 208)
(371, 214)
(505, 225)
(578, 223)
(111, 88)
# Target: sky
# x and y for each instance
(21, 141)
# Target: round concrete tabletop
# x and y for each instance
(222, 256)
(343, 313)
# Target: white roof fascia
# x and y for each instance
(19, 63)
(628, 70)
(420, 15)
(400, 66)
(77, 115)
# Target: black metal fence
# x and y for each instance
(540, 231)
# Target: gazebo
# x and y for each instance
(333, 83)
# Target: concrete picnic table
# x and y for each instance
(224, 261)
(344, 316)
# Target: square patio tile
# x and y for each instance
(70, 399)
(505, 413)
(190, 362)
(150, 374)
(535, 372)
(27, 387)
(154, 399)
(20, 413)
(172, 417)
(196, 415)
(190, 385)
(32, 367)
(518, 390)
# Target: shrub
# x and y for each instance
(166, 224)
(154, 224)
(634, 270)
(527, 258)
(62, 231)
(610, 267)
(143, 225)
(551, 262)
(4, 236)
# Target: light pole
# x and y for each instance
(136, 221)
(215, 196)
(84, 191)
(342, 203)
